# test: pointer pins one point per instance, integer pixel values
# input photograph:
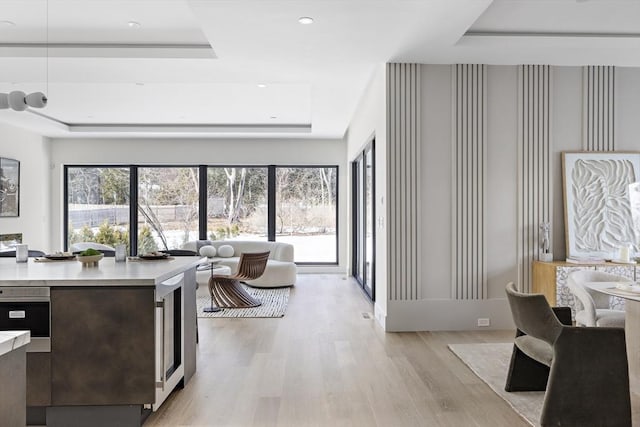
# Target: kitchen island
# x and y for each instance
(109, 343)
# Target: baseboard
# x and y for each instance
(448, 315)
(321, 269)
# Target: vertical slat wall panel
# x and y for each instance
(598, 108)
(534, 164)
(403, 201)
(469, 181)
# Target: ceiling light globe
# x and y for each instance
(17, 101)
(305, 20)
(36, 100)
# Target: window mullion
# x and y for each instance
(133, 210)
(271, 203)
(202, 198)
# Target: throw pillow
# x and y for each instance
(225, 251)
(208, 251)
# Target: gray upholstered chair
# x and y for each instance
(584, 370)
(593, 308)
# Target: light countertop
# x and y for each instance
(11, 340)
(107, 273)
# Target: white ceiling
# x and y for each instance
(193, 66)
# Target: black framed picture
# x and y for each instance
(9, 187)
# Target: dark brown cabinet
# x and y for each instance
(38, 379)
(102, 345)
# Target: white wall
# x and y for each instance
(437, 309)
(368, 122)
(194, 152)
(32, 151)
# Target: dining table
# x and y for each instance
(630, 292)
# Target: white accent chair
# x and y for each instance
(595, 309)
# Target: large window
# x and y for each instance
(168, 203)
(306, 207)
(237, 203)
(162, 207)
(98, 205)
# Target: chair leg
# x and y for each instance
(213, 308)
(525, 373)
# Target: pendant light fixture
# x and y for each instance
(18, 100)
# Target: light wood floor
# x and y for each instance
(324, 364)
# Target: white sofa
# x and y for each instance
(280, 270)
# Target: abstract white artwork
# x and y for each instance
(598, 217)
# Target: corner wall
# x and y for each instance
(369, 122)
(32, 150)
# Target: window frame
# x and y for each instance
(65, 198)
(269, 208)
(202, 197)
(137, 182)
(273, 191)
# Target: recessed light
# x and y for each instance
(273, 117)
(139, 84)
(7, 24)
(262, 85)
(134, 24)
(305, 20)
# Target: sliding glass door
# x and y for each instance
(364, 220)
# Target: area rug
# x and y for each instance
(490, 362)
(274, 304)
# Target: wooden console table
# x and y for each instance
(550, 279)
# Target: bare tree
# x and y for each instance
(235, 193)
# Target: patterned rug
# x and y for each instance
(274, 304)
(490, 362)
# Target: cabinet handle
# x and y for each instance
(160, 384)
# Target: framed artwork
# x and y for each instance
(9, 187)
(597, 205)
